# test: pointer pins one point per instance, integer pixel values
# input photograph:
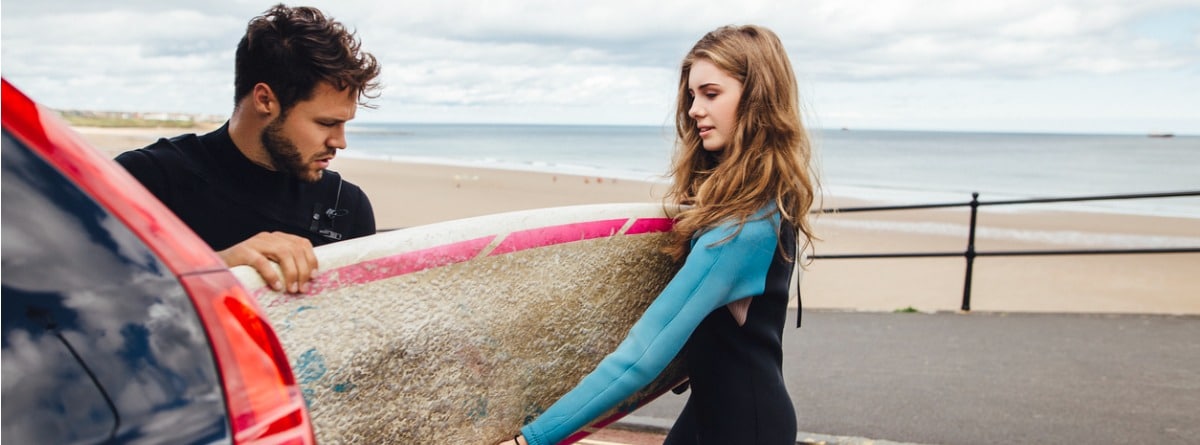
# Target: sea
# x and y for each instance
(879, 166)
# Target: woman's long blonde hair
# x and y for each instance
(768, 156)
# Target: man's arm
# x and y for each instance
(365, 225)
(362, 215)
(294, 255)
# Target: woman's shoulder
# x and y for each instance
(763, 226)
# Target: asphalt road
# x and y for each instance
(990, 378)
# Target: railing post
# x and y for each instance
(970, 253)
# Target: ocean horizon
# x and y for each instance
(894, 167)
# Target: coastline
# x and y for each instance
(406, 194)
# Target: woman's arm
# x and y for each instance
(714, 274)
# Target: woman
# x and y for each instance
(743, 168)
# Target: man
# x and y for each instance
(258, 189)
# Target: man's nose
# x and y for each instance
(337, 139)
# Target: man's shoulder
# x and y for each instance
(182, 145)
(166, 156)
(165, 148)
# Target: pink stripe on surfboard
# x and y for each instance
(650, 225)
(547, 236)
(400, 264)
(416, 261)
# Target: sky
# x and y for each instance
(1060, 66)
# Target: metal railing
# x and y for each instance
(970, 254)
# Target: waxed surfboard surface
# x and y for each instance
(459, 332)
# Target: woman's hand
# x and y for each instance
(517, 440)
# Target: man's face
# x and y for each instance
(303, 140)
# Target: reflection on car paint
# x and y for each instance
(93, 322)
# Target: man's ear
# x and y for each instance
(264, 99)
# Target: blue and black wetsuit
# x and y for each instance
(737, 390)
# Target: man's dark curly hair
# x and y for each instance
(294, 49)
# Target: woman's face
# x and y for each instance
(715, 95)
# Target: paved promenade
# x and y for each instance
(987, 378)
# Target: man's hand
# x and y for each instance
(292, 253)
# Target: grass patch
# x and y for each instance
(906, 310)
(117, 119)
(107, 122)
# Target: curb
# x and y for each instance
(661, 426)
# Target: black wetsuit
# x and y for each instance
(737, 390)
(735, 372)
(225, 198)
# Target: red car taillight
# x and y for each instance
(265, 404)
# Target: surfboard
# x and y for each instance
(460, 332)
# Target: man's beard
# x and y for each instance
(285, 155)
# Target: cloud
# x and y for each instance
(844, 40)
(122, 59)
(988, 41)
(565, 55)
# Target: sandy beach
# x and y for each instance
(407, 194)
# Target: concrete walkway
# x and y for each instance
(987, 378)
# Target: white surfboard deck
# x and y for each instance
(459, 332)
